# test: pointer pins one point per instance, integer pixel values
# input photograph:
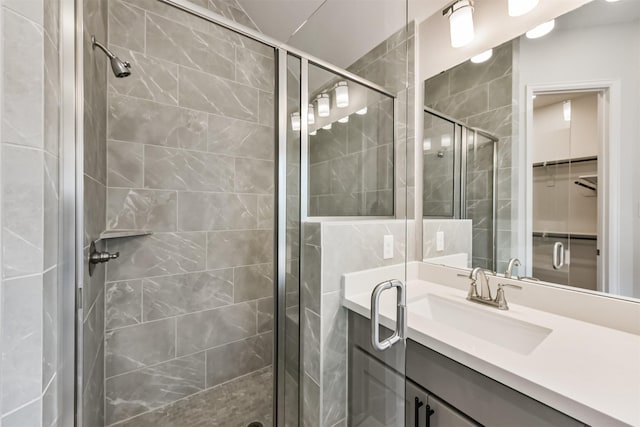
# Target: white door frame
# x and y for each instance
(609, 161)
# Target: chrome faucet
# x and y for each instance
(500, 301)
(485, 290)
(513, 262)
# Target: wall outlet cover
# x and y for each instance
(388, 247)
(440, 241)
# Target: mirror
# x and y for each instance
(533, 153)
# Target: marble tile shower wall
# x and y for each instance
(190, 156)
(480, 95)
(29, 158)
(351, 165)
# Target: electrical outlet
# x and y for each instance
(440, 241)
(388, 247)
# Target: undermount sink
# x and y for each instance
(516, 335)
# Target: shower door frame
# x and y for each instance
(72, 199)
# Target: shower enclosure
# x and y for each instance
(209, 197)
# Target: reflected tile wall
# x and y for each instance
(29, 132)
(190, 157)
(480, 95)
(458, 237)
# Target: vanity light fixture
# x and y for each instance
(313, 133)
(611, 1)
(426, 145)
(445, 141)
(295, 122)
(311, 117)
(342, 94)
(482, 57)
(362, 112)
(566, 110)
(521, 7)
(460, 22)
(327, 127)
(323, 105)
(541, 30)
(345, 119)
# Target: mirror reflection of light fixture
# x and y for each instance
(445, 141)
(460, 22)
(541, 30)
(345, 119)
(426, 145)
(566, 110)
(313, 133)
(327, 127)
(482, 57)
(311, 117)
(521, 7)
(323, 105)
(295, 121)
(362, 112)
(342, 95)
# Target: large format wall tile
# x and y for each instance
(126, 27)
(160, 124)
(212, 328)
(157, 254)
(186, 293)
(179, 44)
(151, 388)
(216, 211)
(239, 358)
(21, 327)
(206, 92)
(168, 168)
(239, 248)
(235, 137)
(124, 164)
(254, 176)
(253, 282)
(255, 70)
(141, 209)
(134, 347)
(123, 304)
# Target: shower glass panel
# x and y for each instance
(190, 142)
(351, 148)
(439, 157)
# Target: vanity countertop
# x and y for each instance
(587, 371)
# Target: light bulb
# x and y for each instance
(295, 121)
(566, 111)
(541, 30)
(311, 117)
(342, 95)
(426, 145)
(482, 57)
(521, 7)
(445, 141)
(345, 119)
(327, 127)
(461, 24)
(362, 112)
(323, 105)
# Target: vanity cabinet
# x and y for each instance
(459, 396)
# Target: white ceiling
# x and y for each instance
(329, 23)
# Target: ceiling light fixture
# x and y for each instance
(295, 122)
(342, 95)
(362, 112)
(327, 127)
(311, 116)
(541, 30)
(460, 22)
(323, 105)
(345, 119)
(566, 110)
(445, 140)
(482, 57)
(521, 7)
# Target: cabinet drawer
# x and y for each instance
(481, 398)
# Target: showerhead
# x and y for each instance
(120, 68)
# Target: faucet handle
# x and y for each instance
(500, 298)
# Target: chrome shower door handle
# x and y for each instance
(558, 255)
(401, 315)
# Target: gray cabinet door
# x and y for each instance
(419, 402)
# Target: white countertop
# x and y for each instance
(586, 371)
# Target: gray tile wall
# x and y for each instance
(29, 157)
(481, 96)
(190, 149)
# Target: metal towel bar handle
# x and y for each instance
(558, 255)
(401, 316)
